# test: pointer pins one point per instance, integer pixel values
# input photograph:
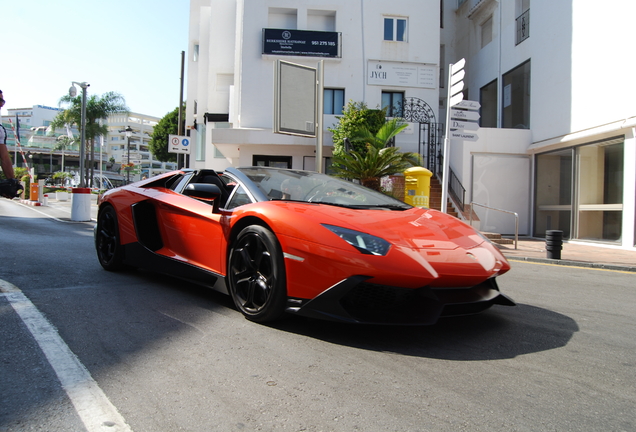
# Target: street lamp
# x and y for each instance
(72, 92)
(128, 131)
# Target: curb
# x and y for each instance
(31, 203)
(601, 266)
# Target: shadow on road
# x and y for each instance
(498, 333)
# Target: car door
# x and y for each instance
(190, 231)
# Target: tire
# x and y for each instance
(107, 242)
(256, 275)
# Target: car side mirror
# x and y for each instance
(208, 193)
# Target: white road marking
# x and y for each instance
(93, 407)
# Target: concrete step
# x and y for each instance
(497, 238)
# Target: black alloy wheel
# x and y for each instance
(107, 243)
(256, 275)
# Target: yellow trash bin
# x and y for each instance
(417, 188)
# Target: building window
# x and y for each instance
(333, 101)
(272, 161)
(195, 53)
(393, 102)
(580, 192)
(442, 66)
(200, 142)
(488, 100)
(523, 27)
(516, 98)
(395, 29)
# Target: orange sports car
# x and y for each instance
(288, 241)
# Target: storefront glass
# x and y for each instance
(591, 206)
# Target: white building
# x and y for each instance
(121, 149)
(231, 71)
(557, 138)
(41, 153)
(29, 118)
(557, 143)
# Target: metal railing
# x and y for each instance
(504, 211)
(457, 190)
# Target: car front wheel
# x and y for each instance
(256, 274)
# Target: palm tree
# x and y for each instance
(378, 160)
(97, 108)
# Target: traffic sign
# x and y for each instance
(464, 115)
(179, 144)
(463, 125)
(464, 136)
(469, 105)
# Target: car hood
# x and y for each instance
(417, 228)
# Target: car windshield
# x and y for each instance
(308, 186)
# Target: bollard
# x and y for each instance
(45, 199)
(80, 204)
(553, 244)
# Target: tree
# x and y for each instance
(377, 160)
(97, 108)
(168, 125)
(355, 117)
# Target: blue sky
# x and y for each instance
(131, 47)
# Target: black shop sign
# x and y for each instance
(301, 43)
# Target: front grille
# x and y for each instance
(388, 304)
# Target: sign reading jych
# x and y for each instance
(401, 74)
(301, 43)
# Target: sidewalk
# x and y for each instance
(574, 254)
(60, 210)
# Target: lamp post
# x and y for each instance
(72, 93)
(128, 131)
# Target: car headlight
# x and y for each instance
(365, 243)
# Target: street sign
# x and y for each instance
(464, 115)
(179, 144)
(463, 125)
(469, 105)
(456, 83)
(455, 96)
(464, 136)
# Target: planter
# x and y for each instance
(61, 195)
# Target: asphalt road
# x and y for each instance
(165, 355)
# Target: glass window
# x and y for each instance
(333, 101)
(395, 29)
(272, 161)
(553, 203)
(600, 192)
(388, 29)
(488, 100)
(516, 98)
(239, 197)
(200, 140)
(580, 192)
(393, 102)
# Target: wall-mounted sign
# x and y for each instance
(301, 43)
(401, 74)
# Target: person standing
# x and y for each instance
(9, 187)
